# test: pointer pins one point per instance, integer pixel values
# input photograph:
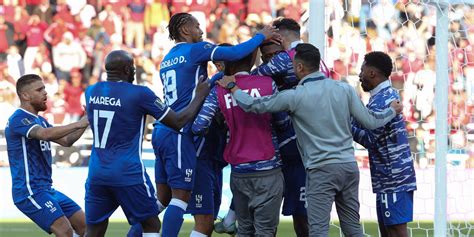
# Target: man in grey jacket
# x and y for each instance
(321, 111)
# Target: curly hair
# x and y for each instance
(176, 22)
(381, 61)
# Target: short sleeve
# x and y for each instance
(22, 125)
(153, 105)
(203, 51)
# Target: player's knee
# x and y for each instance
(181, 194)
(62, 227)
(151, 224)
(80, 228)
(204, 224)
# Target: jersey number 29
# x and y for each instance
(108, 115)
(169, 79)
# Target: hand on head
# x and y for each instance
(271, 34)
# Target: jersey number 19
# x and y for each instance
(169, 81)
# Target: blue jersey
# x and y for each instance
(391, 163)
(211, 146)
(186, 62)
(116, 113)
(30, 159)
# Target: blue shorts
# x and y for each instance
(45, 207)
(138, 202)
(175, 158)
(295, 186)
(394, 208)
(207, 192)
(295, 181)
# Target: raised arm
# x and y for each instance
(71, 138)
(232, 53)
(57, 134)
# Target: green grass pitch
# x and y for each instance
(24, 228)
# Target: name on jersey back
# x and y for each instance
(173, 61)
(103, 100)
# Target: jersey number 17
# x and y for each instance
(108, 115)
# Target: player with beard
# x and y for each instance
(391, 163)
(117, 177)
(28, 138)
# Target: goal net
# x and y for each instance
(406, 30)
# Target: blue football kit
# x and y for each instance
(180, 71)
(391, 163)
(30, 166)
(117, 176)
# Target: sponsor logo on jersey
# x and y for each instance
(231, 102)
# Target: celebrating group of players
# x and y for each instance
(257, 121)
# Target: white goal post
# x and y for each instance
(317, 36)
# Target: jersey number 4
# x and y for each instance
(169, 79)
(108, 115)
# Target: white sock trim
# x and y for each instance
(161, 207)
(151, 234)
(197, 234)
(179, 203)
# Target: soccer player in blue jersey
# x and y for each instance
(117, 109)
(28, 138)
(207, 191)
(391, 163)
(180, 69)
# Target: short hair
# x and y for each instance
(247, 60)
(379, 60)
(309, 54)
(25, 80)
(176, 22)
(284, 23)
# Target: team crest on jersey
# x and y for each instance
(26, 121)
(159, 104)
(189, 173)
(50, 206)
(208, 46)
(198, 200)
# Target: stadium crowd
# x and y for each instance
(66, 42)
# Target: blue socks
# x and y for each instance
(173, 219)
